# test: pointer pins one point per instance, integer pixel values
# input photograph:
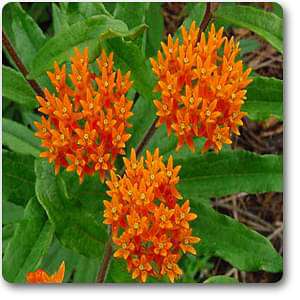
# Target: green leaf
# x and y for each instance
(79, 11)
(82, 34)
(154, 34)
(229, 172)
(17, 89)
(131, 34)
(19, 138)
(196, 13)
(277, 9)
(110, 6)
(82, 269)
(90, 194)
(18, 173)
(11, 213)
(248, 45)
(59, 19)
(118, 273)
(266, 24)
(221, 279)
(24, 34)
(7, 233)
(76, 227)
(86, 269)
(128, 56)
(264, 98)
(131, 16)
(232, 241)
(28, 245)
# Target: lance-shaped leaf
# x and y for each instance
(19, 138)
(22, 31)
(29, 243)
(86, 33)
(154, 35)
(264, 98)
(76, 227)
(215, 175)
(17, 89)
(232, 241)
(18, 177)
(266, 24)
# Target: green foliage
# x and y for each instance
(118, 272)
(19, 138)
(75, 227)
(28, 245)
(83, 269)
(25, 35)
(11, 213)
(154, 34)
(221, 279)
(18, 172)
(215, 175)
(7, 233)
(264, 98)
(86, 33)
(132, 17)
(265, 24)
(17, 89)
(196, 13)
(79, 11)
(232, 241)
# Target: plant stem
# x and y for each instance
(108, 247)
(13, 54)
(206, 17)
(105, 262)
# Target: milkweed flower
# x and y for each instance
(84, 124)
(40, 276)
(149, 227)
(202, 88)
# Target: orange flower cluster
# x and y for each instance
(149, 227)
(86, 125)
(202, 88)
(40, 276)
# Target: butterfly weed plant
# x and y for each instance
(115, 138)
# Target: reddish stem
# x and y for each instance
(13, 54)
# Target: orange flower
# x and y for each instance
(86, 123)
(40, 276)
(170, 267)
(149, 228)
(202, 90)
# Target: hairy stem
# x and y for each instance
(148, 135)
(13, 54)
